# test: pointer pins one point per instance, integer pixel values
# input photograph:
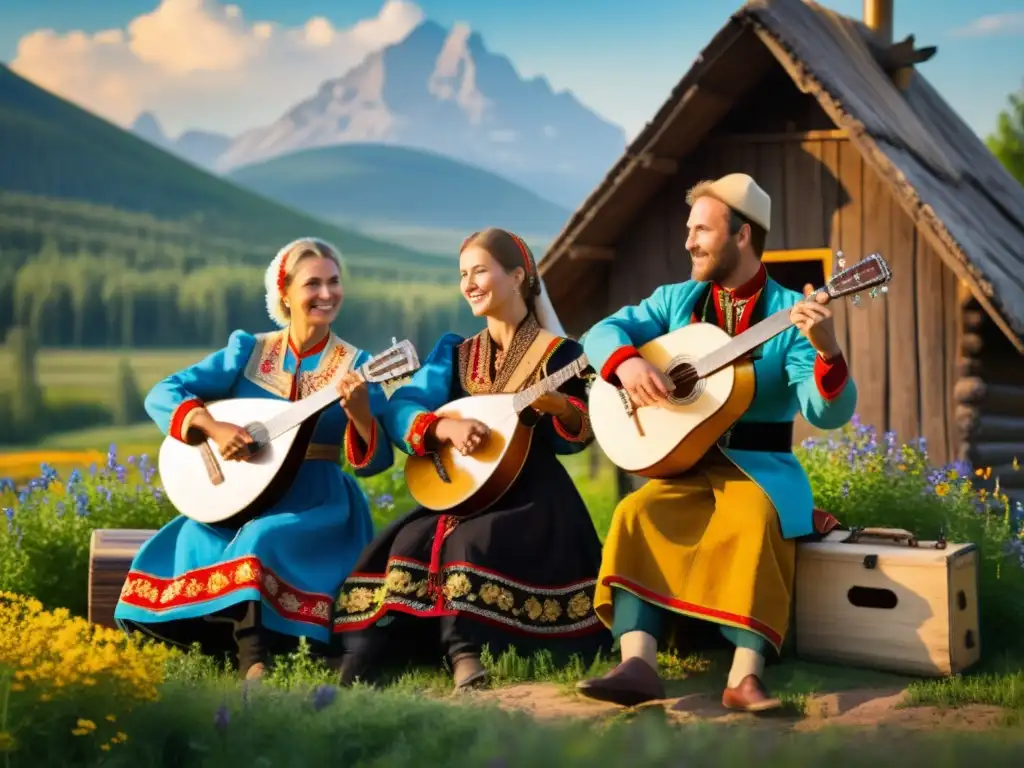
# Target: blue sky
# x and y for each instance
(620, 57)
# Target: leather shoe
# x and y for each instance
(749, 696)
(632, 682)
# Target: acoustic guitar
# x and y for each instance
(205, 487)
(446, 480)
(714, 386)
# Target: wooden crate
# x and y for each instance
(888, 602)
(111, 551)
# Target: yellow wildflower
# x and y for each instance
(7, 742)
(984, 474)
(1015, 464)
(112, 718)
(105, 747)
(942, 489)
(52, 651)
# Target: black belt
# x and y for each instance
(772, 436)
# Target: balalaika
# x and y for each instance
(207, 488)
(714, 386)
(449, 481)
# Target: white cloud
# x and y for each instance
(994, 24)
(201, 64)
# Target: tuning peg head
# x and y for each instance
(840, 260)
(874, 293)
(856, 299)
(885, 289)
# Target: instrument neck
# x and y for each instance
(746, 342)
(530, 395)
(310, 406)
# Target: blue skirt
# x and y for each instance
(293, 558)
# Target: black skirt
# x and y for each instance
(520, 574)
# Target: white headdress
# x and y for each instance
(545, 312)
(277, 273)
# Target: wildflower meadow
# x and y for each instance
(75, 694)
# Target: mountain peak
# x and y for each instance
(148, 127)
(442, 91)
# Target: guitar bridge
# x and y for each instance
(439, 468)
(213, 469)
(627, 405)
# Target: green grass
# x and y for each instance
(202, 719)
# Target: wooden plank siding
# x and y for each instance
(902, 348)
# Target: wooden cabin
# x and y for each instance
(859, 154)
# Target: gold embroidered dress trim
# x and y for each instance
(202, 585)
(477, 354)
(561, 610)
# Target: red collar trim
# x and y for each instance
(750, 288)
(315, 349)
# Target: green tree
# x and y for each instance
(1007, 143)
(127, 403)
(26, 411)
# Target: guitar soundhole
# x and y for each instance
(688, 386)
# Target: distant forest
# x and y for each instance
(79, 275)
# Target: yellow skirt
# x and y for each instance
(706, 545)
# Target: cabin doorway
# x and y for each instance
(795, 269)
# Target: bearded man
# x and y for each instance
(717, 543)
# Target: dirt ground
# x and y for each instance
(863, 707)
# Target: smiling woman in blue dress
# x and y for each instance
(257, 588)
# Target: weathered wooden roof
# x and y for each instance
(939, 170)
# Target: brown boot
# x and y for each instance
(469, 672)
(749, 696)
(633, 682)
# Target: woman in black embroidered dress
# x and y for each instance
(522, 572)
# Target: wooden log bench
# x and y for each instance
(111, 551)
(885, 601)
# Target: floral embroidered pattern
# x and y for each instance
(316, 380)
(265, 366)
(416, 437)
(157, 594)
(365, 598)
(270, 358)
(477, 354)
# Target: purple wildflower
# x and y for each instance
(323, 696)
(81, 504)
(221, 718)
(9, 514)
